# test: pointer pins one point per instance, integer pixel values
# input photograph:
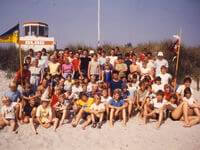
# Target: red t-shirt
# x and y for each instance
(26, 74)
(54, 100)
(167, 96)
(76, 64)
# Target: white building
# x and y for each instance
(36, 37)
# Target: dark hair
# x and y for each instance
(115, 72)
(141, 83)
(44, 50)
(187, 91)
(160, 92)
(158, 78)
(174, 96)
(82, 94)
(134, 76)
(187, 79)
(31, 50)
(127, 55)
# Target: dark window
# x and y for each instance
(34, 30)
(46, 31)
(26, 30)
(41, 31)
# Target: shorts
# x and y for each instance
(85, 115)
(170, 115)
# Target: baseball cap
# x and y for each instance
(160, 53)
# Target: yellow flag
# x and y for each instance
(11, 36)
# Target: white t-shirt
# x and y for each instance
(96, 107)
(35, 74)
(181, 89)
(157, 104)
(190, 101)
(112, 59)
(132, 89)
(151, 64)
(165, 78)
(102, 60)
(94, 67)
(145, 70)
(156, 87)
(159, 64)
(76, 90)
(9, 111)
(106, 100)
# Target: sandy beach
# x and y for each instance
(171, 135)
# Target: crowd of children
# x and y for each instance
(87, 88)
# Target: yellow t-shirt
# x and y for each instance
(44, 113)
(54, 68)
(85, 105)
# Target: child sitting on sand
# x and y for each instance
(28, 112)
(192, 103)
(117, 107)
(177, 112)
(44, 113)
(97, 111)
(61, 108)
(83, 104)
(154, 109)
(8, 114)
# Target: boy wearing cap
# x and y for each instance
(44, 114)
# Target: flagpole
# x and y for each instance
(20, 57)
(177, 60)
(99, 21)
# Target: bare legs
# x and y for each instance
(115, 113)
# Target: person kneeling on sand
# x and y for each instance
(117, 107)
(44, 113)
(155, 108)
(97, 111)
(83, 104)
(8, 114)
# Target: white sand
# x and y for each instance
(171, 136)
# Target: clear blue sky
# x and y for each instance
(123, 21)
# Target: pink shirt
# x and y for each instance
(67, 68)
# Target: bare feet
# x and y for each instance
(157, 126)
(111, 125)
(186, 125)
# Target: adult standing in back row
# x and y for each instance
(85, 60)
(159, 62)
(94, 67)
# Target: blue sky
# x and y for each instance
(122, 21)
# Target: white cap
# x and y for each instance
(160, 53)
(91, 52)
(45, 96)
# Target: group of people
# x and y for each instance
(91, 88)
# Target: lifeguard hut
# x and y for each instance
(36, 37)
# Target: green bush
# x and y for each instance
(9, 60)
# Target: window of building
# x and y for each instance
(34, 30)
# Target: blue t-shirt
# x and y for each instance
(115, 85)
(117, 103)
(125, 95)
(14, 96)
(107, 76)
